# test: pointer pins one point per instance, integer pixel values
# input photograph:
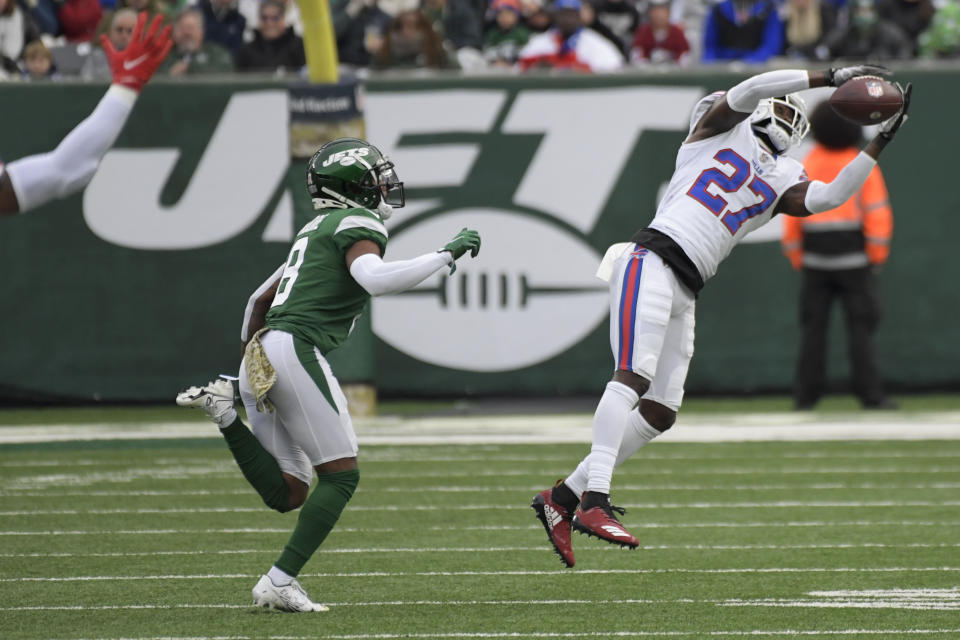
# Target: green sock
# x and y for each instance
(258, 466)
(317, 517)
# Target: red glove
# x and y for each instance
(134, 66)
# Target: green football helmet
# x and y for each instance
(350, 172)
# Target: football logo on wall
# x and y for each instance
(531, 294)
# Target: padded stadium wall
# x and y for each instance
(136, 287)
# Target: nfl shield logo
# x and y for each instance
(875, 89)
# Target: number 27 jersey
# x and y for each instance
(722, 188)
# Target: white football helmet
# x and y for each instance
(784, 129)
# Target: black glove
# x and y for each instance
(836, 76)
(889, 128)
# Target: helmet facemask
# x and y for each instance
(781, 121)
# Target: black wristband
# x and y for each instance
(828, 76)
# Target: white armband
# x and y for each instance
(248, 312)
(379, 277)
(826, 196)
(745, 96)
(38, 179)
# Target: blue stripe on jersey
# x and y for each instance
(629, 296)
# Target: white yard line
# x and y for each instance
(540, 429)
(471, 574)
(779, 504)
(507, 635)
(946, 599)
(389, 456)
(638, 525)
(30, 492)
(533, 549)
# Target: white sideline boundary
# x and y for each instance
(561, 428)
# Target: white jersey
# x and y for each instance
(722, 188)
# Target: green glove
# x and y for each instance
(466, 240)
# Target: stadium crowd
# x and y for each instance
(42, 39)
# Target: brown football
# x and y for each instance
(867, 100)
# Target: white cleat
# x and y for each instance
(215, 399)
(291, 598)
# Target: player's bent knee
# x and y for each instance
(635, 381)
(291, 496)
(657, 416)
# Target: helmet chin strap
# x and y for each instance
(384, 210)
(768, 136)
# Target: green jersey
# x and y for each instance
(318, 300)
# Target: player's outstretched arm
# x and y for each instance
(35, 180)
(808, 198)
(741, 100)
(378, 277)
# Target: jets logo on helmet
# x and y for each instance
(352, 173)
(348, 157)
(781, 122)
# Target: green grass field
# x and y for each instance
(760, 540)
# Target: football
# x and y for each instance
(867, 100)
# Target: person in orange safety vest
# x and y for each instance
(838, 253)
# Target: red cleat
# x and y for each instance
(601, 523)
(556, 521)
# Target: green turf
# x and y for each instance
(156, 539)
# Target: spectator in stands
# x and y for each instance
(506, 35)
(455, 21)
(588, 16)
(191, 54)
(838, 253)
(43, 14)
(411, 42)
(38, 62)
(620, 17)
(570, 45)
(122, 23)
(223, 24)
(536, 17)
(250, 10)
(808, 22)
(79, 19)
(13, 33)
(942, 39)
(275, 46)
(360, 27)
(745, 30)
(912, 16)
(658, 40)
(691, 15)
(867, 36)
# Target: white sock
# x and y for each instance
(279, 577)
(577, 481)
(609, 423)
(638, 433)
